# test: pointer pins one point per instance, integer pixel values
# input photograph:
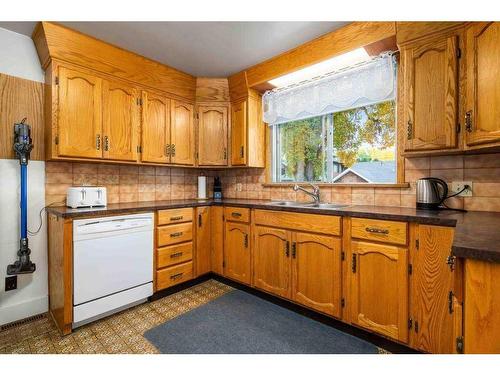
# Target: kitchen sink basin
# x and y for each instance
(308, 205)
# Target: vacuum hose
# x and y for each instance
(23, 146)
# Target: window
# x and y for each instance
(351, 146)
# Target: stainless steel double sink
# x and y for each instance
(307, 205)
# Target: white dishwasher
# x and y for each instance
(112, 265)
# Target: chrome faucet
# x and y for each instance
(314, 194)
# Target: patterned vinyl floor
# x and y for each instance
(120, 333)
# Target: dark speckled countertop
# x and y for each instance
(477, 234)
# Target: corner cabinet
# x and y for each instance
(203, 241)
(482, 119)
(248, 132)
(212, 135)
(430, 90)
(237, 252)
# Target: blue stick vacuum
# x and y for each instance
(23, 146)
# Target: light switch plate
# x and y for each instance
(456, 186)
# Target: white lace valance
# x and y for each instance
(368, 83)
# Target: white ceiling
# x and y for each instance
(203, 49)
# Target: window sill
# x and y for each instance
(326, 184)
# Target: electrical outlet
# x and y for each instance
(10, 283)
(239, 186)
(456, 186)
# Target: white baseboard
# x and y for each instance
(9, 314)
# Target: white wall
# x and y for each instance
(18, 58)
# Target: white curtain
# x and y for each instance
(368, 83)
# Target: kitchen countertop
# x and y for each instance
(477, 234)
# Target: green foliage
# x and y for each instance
(303, 143)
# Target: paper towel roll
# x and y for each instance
(202, 187)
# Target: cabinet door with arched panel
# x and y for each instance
(182, 133)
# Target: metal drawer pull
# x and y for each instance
(377, 230)
(174, 218)
(294, 250)
(235, 214)
(98, 142)
(176, 234)
(176, 255)
(287, 248)
(246, 240)
(176, 276)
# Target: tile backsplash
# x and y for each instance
(130, 183)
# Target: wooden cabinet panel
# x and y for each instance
(121, 121)
(316, 272)
(482, 306)
(483, 83)
(203, 244)
(431, 94)
(175, 254)
(237, 252)
(271, 260)
(182, 133)
(155, 128)
(175, 215)
(176, 233)
(240, 214)
(297, 221)
(432, 280)
(217, 238)
(174, 275)
(379, 289)
(212, 135)
(79, 114)
(238, 133)
(380, 230)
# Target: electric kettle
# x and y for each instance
(431, 193)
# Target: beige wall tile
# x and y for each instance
(408, 200)
(482, 204)
(417, 163)
(363, 199)
(482, 161)
(85, 168)
(80, 179)
(58, 178)
(482, 174)
(129, 179)
(447, 162)
(147, 179)
(147, 170)
(58, 166)
(413, 175)
(129, 169)
(110, 179)
(486, 189)
(388, 200)
(448, 175)
(146, 196)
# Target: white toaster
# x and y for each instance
(86, 196)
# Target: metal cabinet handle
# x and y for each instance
(468, 121)
(98, 142)
(106, 143)
(175, 218)
(176, 276)
(246, 240)
(172, 150)
(287, 248)
(294, 250)
(199, 220)
(176, 255)
(225, 153)
(353, 265)
(176, 234)
(377, 230)
(409, 130)
(235, 214)
(167, 150)
(242, 151)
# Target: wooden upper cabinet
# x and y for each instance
(379, 288)
(316, 272)
(430, 90)
(182, 133)
(432, 281)
(271, 260)
(237, 252)
(238, 133)
(212, 135)
(121, 121)
(79, 114)
(483, 83)
(155, 128)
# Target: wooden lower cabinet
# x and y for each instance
(316, 272)
(271, 260)
(435, 310)
(171, 276)
(217, 239)
(203, 241)
(379, 288)
(237, 252)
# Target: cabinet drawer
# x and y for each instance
(174, 275)
(175, 254)
(380, 230)
(297, 221)
(237, 214)
(173, 216)
(176, 233)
